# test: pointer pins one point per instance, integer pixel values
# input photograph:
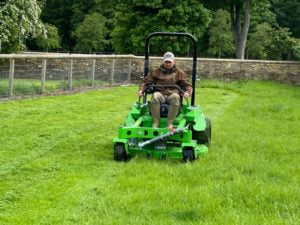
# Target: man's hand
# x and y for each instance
(186, 95)
(140, 93)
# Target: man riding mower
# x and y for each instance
(166, 127)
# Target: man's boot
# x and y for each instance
(155, 112)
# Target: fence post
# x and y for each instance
(112, 72)
(129, 71)
(93, 72)
(70, 77)
(43, 77)
(11, 77)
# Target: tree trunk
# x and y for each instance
(289, 55)
(240, 26)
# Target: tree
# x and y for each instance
(221, 39)
(268, 40)
(260, 41)
(283, 45)
(261, 13)
(287, 15)
(52, 41)
(67, 15)
(19, 19)
(90, 34)
(272, 43)
(59, 14)
(240, 25)
(107, 9)
(240, 11)
(135, 19)
(296, 50)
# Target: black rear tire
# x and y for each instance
(188, 154)
(203, 137)
(120, 153)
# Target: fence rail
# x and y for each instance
(26, 74)
(38, 74)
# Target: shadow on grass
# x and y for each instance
(190, 215)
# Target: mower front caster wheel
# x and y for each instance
(120, 153)
(188, 154)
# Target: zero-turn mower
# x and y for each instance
(192, 129)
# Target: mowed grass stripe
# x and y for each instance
(40, 129)
(58, 135)
(75, 180)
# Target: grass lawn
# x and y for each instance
(56, 161)
(33, 86)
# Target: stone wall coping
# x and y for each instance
(90, 56)
(225, 60)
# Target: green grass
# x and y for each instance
(33, 86)
(56, 164)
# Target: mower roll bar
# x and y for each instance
(194, 41)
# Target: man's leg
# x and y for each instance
(174, 100)
(157, 98)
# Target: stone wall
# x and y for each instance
(124, 67)
(230, 69)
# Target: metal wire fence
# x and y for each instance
(32, 74)
(41, 74)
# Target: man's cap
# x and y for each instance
(169, 56)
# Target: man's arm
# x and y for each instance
(146, 81)
(183, 82)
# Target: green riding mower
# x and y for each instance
(192, 129)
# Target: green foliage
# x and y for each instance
(134, 20)
(287, 15)
(57, 167)
(52, 41)
(240, 11)
(19, 19)
(107, 9)
(260, 41)
(125, 24)
(221, 38)
(59, 14)
(283, 44)
(90, 34)
(296, 49)
(68, 15)
(261, 13)
(270, 43)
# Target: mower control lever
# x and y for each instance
(150, 89)
(153, 87)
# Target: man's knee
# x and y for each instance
(174, 99)
(157, 97)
